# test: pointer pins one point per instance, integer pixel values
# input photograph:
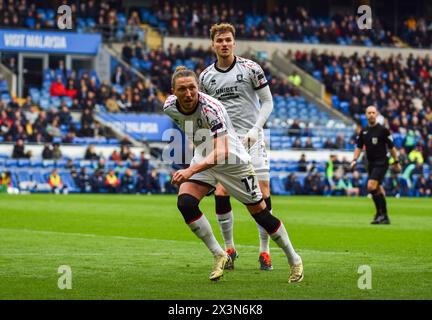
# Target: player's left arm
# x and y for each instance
(266, 99)
(262, 88)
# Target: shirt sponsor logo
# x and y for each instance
(227, 90)
(374, 140)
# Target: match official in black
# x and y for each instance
(376, 138)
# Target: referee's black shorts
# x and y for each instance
(377, 172)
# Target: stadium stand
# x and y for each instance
(75, 107)
(400, 89)
(284, 24)
(105, 17)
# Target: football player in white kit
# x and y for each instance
(240, 84)
(219, 157)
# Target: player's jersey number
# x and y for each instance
(249, 183)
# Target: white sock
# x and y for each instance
(226, 223)
(283, 241)
(203, 230)
(264, 239)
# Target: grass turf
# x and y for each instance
(138, 247)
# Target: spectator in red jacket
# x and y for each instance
(71, 90)
(57, 88)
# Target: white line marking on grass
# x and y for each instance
(89, 235)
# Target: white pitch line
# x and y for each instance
(89, 235)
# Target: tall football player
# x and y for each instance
(206, 123)
(240, 84)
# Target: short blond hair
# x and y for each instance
(221, 28)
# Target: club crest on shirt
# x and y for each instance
(239, 78)
(213, 82)
(374, 140)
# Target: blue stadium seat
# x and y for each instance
(38, 177)
(23, 163)
(36, 163)
(48, 164)
(60, 164)
(3, 86)
(50, 15)
(11, 163)
(68, 181)
(344, 107)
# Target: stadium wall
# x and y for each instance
(317, 155)
(68, 151)
(78, 151)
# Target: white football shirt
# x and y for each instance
(207, 121)
(236, 88)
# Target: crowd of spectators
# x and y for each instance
(417, 32)
(283, 24)
(340, 180)
(106, 16)
(127, 93)
(128, 175)
(28, 14)
(137, 96)
(183, 18)
(125, 173)
(29, 123)
(158, 65)
(401, 90)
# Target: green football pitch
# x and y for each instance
(138, 247)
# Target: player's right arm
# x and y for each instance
(216, 122)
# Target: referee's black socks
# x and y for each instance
(383, 204)
(377, 200)
(380, 202)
